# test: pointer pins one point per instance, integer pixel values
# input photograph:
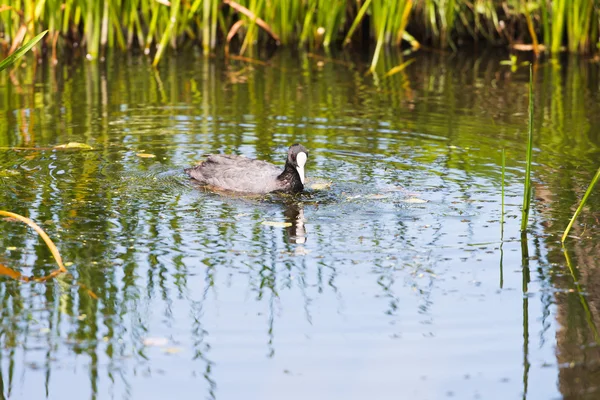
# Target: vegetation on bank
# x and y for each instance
(153, 25)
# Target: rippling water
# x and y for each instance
(391, 280)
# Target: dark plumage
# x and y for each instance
(241, 174)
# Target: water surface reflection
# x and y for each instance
(390, 279)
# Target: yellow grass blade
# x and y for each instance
(399, 68)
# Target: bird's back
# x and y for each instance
(237, 173)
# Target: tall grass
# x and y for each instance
(502, 193)
(527, 186)
(154, 25)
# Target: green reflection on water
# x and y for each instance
(162, 255)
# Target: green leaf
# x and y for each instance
(359, 17)
(10, 60)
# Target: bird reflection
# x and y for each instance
(294, 214)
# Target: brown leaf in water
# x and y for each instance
(377, 196)
(74, 145)
(414, 200)
(276, 224)
(172, 350)
(321, 185)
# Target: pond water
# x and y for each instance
(390, 278)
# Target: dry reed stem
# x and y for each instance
(234, 28)
(18, 38)
(43, 234)
(260, 22)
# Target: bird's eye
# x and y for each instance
(293, 157)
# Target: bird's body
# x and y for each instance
(241, 174)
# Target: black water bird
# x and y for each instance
(241, 174)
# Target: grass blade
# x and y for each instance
(167, 35)
(527, 189)
(558, 19)
(581, 205)
(380, 39)
(502, 211)
(357, 20)
(531, 28)
(10, 60)
(399, 68)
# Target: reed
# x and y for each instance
(502, 183)
(6, 63)
(51, 246)
(14, 57)
(502, 222)
(527, 188)
(581, 205)
(155, 25)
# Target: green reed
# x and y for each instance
(503, 185)
(527, 186)
(14, 57)
(581, 205)
(155, 25)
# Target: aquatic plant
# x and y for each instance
(43, 235)
(527, 186)
(581, 204)
(502, 186)
(6, 63)
(154, 25)
(14, 57)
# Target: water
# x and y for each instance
(392, 280)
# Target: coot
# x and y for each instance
(241, 174)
